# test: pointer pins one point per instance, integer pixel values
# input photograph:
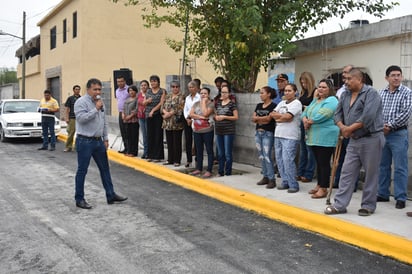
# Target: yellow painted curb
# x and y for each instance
(373, 240)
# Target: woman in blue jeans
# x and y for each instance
(265, 127)
(226, 115)
(287, 134)
(202, 124)
(306, 166)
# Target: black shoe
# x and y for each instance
(122, 151)
(42, 148)
(271, 184)
(400, 204)
(116, 198)
(83, 204)
(264, 181)
(381, 199)
(52, 149)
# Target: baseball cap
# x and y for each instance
(282, 76)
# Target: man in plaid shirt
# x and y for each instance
(397, 108)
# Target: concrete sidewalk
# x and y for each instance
(388, 231)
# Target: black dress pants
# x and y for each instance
(132, 130)
(174, 146)
(155, 148)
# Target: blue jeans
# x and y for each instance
(47, 125)
(396, 148)
(285, 150)
(201, 140)
(306, 158)
(87, 148)
(264, 145)
(143, 129)
(224, 148)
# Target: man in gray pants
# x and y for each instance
(359, 117)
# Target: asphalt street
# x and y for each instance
(161, 228)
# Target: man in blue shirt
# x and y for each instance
(92, 141)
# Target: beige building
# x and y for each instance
(84, 39)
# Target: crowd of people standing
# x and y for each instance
(297, 131)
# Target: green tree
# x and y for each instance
(7, 76)
(238, 36)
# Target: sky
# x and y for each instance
(11, 18)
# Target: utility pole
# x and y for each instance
(183, 73)
(23, 55)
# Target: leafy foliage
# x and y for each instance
(7, 76)
(238, 36)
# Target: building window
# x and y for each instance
(74, 24)
(64, 31)
(53, 37)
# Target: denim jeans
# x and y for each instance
(264, 145)
(201, 140)
(285, 150)
(47, 125)
(306, 158)
(87, 148)
(143, 130)
(225, 148)
(396, 148)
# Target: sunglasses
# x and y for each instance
(174, 86)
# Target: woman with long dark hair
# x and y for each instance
(226, 115)
(322, 133)
(155, 97)
(265, 128)
(144, 85)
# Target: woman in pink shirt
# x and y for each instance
(144, 85)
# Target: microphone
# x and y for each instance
(98, 97)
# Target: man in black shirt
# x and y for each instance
(70, 117)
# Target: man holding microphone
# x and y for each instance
(92, 141)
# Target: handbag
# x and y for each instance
(200, 124)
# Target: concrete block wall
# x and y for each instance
(244, 150)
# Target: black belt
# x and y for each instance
(89, 138)
(369, 134)
(400, 128)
